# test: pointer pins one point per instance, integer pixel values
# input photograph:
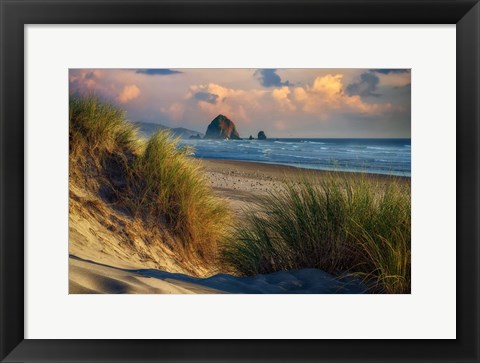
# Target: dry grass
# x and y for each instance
(154, 181)
(169, 185)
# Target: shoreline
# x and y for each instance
(293, 168)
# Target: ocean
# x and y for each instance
(377, 156)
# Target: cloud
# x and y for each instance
(84, 80)
(90, 75)
(175, 111)
(394, 80)
(323, 100)
(157, 71)
(237, 104)
(407, 86)
(365, 87)
(390, 70)
(128, 93)
(326, 97)
(207, 97)
(315, 102)
(270, 78)
(281, 95)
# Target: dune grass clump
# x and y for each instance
(170, 185)
(97, 127)
(153, 180)
(337, 224)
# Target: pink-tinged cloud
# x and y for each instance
(239, 104)
(175, 111)
(85, 80)
(317, 102)
(282, 96)
(128, 93)
(322, 98)
(326, 96)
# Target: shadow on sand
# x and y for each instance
(305, 281)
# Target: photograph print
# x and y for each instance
(239, 181)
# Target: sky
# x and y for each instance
(365, 103)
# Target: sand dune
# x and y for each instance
(109, 255)
(88, 277)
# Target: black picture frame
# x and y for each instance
(15, 14)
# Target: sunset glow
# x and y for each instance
(284, 102)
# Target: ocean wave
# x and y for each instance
(283, 142)
(313, 142)
(394, 158)
(299, 156)
(376, 148)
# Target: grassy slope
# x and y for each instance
(148, 196)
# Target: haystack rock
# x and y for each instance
(262, 136)
(222, 127)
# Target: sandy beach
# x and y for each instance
(242, 182)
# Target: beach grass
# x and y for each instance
(97, 127)
(169, 184)
(152, 180)
(338, 224)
